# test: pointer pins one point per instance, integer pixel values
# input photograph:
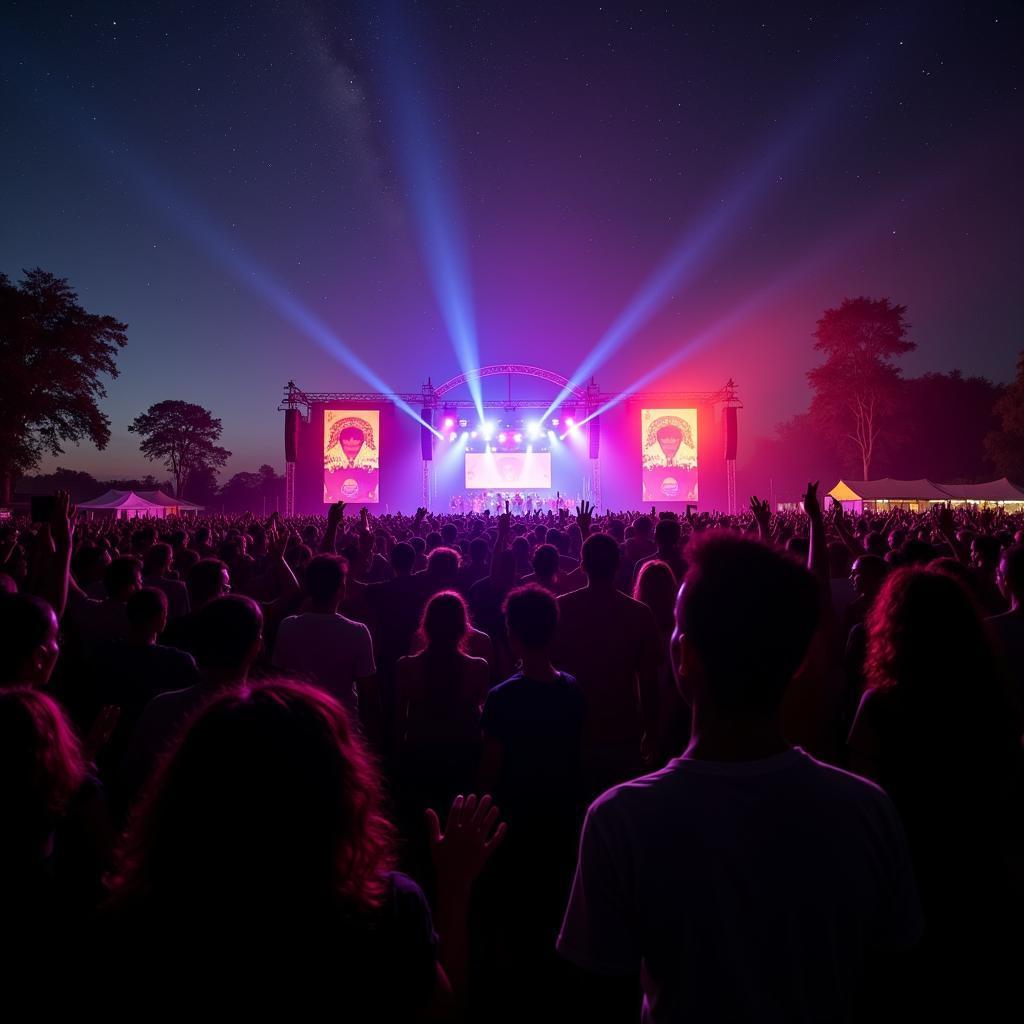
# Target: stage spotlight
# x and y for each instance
(465, 437)
(472, 433)
(533, 428)
(529, 449)
(452, 436)
(463, 423)
(554, 423)
(570, 423)
(449, 423)
(551, 435)
(488, 429)
(502, 438)
(518, 438)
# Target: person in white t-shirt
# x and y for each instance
(328, 649)
(745, 881)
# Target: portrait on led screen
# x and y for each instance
(669, 450)
(352, 456)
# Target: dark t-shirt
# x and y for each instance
(540, 726)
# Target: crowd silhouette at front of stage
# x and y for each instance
(560, 765)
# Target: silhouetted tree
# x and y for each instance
(183, 435)
(252, 491)
(947, 417)
(1005, 444)
(53, 356)
(81, 486)
(203, 487)
(856, 388)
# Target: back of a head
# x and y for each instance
(531, 615)
(443, 565)
(926, 637)
(656, 587)
(667, 533)
(545, 561)
(147, 609)
(325, 578)
(41, 768)
(268, 788)
(445, 622)
(25, 623)
(156, 560)
(478, 550)
(228, 629)
(403, 556)
(642, 526)
(449, 533)
(749, 612)
(600, 558)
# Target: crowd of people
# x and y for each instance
(466, 766)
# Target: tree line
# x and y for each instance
(865, 418)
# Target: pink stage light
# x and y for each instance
(570, 422)
(502, 438)
(518, 438)
(449, 423)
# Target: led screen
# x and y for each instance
(352, 456)
(503, 471)
(668, 442)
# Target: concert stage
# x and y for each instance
(475, 441)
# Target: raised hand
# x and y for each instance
(584, 517)
(62, 520)
(335, 513)
(762, 514)
(812, 508)
(471, 834)
(944, 520)
(277, 542)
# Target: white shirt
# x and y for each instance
(328, 650)
(746, 891)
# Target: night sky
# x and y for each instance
(254, 187)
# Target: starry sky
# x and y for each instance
(264, 190)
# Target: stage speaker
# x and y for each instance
(729, 424)
(595, 437)
(291, 435)
(426, 436)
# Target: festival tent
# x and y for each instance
(174, 506)
(995, 492)
(914, 494)
(123, 505)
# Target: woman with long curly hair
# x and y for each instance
(262, 844)
(935, 730)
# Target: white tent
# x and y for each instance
(174, 506)
(124, 505)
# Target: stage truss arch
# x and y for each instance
(590, 397)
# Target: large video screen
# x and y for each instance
(508, 471)
(352, 456)
(668, 442)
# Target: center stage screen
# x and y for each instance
(668, 442)
(502, 471)
(352, 456)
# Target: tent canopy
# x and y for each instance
(160, 498)
(887, 490)
(121, 501)
(994, 490)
